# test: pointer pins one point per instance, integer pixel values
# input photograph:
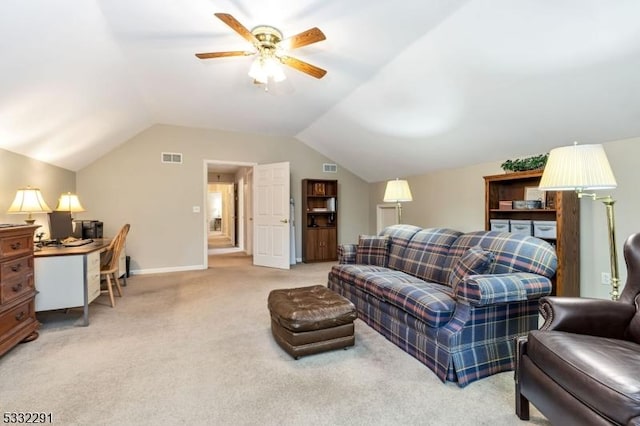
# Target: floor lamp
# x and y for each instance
(583, 168)
(397, 191)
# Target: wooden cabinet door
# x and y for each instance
(330, 249)
(312, 245)
(320, 245)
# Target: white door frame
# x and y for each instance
(382, 213)
(205, 196)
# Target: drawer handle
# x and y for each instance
(20, 316)
(16, 246)
(546, 228)
(16, 288)
(16, 268)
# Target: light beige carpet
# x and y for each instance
(195, 348)
(218, 240)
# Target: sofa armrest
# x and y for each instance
(347, 253)
(596, 317)
(482, 290)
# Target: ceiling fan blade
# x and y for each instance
(237, 27)
(310, 36)
(223, 54)
(306, 68)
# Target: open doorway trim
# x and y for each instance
(205, 184)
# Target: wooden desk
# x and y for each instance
(68, 277)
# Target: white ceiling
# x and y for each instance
(412, 85)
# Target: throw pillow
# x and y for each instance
(474, 261)
(372, 250)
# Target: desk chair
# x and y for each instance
(110, 260)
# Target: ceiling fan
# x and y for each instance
(271, 50)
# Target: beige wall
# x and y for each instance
(455, 199)
(18, 171)
(131, 185)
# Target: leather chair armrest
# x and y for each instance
(596, 317)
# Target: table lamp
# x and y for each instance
(69, 203)
(583, 168)
(397, 191)
(28, 200)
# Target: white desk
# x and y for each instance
(68, 277)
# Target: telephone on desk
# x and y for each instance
(74, 242)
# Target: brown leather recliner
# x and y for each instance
(583, 366)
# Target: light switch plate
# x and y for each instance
(196, 209)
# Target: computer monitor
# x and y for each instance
(60, 225)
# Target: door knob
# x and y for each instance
(284, 220)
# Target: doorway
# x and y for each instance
(227, 207)
(386, 215)
(271, 229)
(221, 210)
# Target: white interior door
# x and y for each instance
(271, 215)
(386, 215)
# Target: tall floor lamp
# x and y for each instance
(397, 191)
(585, 168)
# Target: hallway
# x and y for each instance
(218, 240)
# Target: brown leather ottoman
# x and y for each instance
(308, 320)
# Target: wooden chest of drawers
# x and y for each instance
(17, 289)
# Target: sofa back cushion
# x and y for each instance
(372, 250)
(399, 237)
(426, 253)
(513, 253)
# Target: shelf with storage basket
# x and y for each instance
(556, 219)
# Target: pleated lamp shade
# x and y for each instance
(578, 168)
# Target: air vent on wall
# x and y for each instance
(171, 157)
(330, 168)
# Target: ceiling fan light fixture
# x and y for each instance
(272, 50)
(274, 69)
(257, 71)
(262, 69)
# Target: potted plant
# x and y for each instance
(529, 163)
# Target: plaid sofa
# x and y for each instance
(454, 301)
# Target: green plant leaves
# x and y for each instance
(529, 163)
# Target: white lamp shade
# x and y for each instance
(28, 200)
(397, 191)
(264, 68)
(257, 71)
(69, 203)
(577, 167)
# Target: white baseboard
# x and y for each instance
(165, 270)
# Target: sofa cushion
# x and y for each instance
(372, 250)
(399, 237)
(372, 279)
(475, 261)
(426, 254)
(377, 282)
(429, 302)
(356, 274)
(601, 372)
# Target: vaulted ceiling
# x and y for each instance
(412, 85)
